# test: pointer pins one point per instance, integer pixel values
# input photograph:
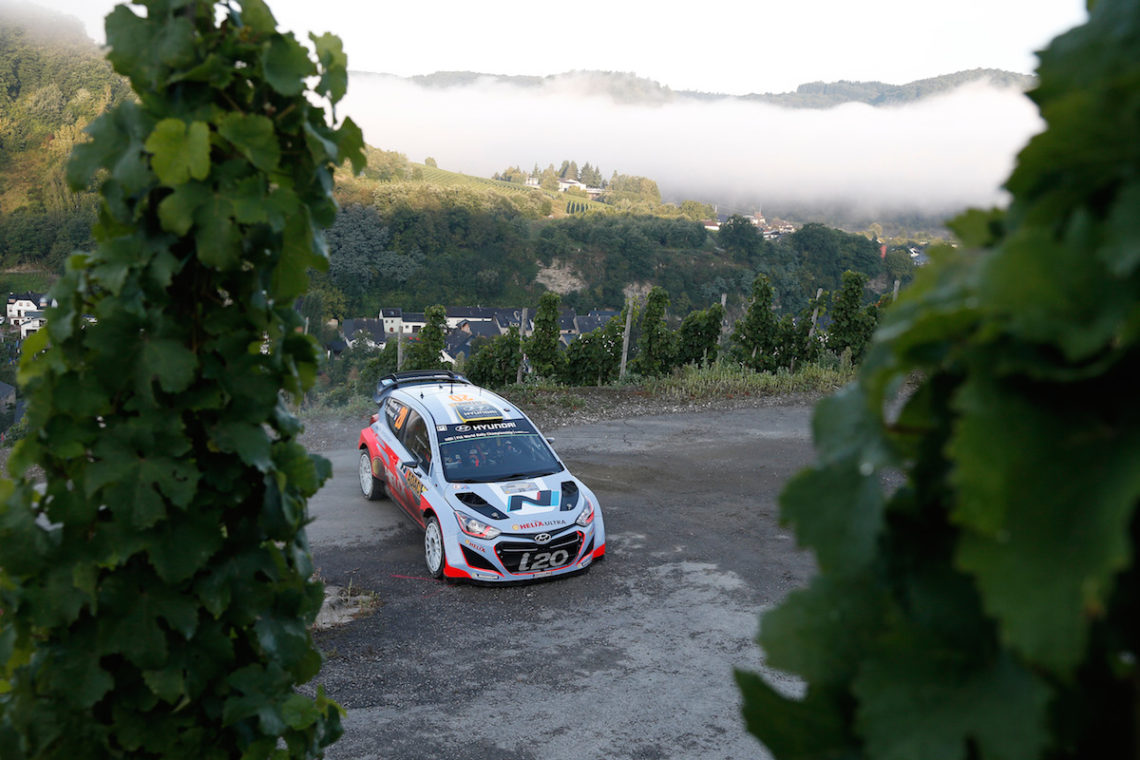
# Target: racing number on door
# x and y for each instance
(543, 560)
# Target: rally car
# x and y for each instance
(494, 501)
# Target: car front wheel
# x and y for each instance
(370, 486)
(433, 548)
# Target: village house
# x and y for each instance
(22, 305)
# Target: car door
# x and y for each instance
(406, 477)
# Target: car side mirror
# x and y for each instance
(550, 440)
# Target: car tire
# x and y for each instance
(371, 486)
(434, 555)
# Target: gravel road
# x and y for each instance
(632, 659)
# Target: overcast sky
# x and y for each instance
(730, 46)
(939, 154)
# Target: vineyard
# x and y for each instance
(437, 176)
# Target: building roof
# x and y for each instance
(373, 327)
(471, 312)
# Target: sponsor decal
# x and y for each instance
(541, 499)
(441, 428)
(475, 546)
(463, 432)
(476, 411)
(415, 485)
(523, 487)
(539, 524)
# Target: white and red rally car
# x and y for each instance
(468, 467)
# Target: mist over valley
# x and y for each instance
(904, 149)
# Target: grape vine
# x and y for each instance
(978, 587)
(157, 588)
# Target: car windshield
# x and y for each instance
(496, 451)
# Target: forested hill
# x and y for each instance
(409, 234)
(53, 82)
(629, 89)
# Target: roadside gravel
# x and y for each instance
(554, 409)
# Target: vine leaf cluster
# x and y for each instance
(157, 588)
(986, 607)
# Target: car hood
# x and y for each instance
(524, 505)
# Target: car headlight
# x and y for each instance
(587, 515)
(476, 528)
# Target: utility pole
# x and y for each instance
(522, 349)
(815, 312)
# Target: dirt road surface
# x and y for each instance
(632, 659)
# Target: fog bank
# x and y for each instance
(938, 154)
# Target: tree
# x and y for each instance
(426, 349)
(157, 586)
(656, 349)
(852, 323)
(697, 211)
(698, 338)
(542, 346)
(549, 179)
(899, 264)
(497, 363)
(429, 161)
(755, 336)
(594, 358)
(978, 538)
(740, 237)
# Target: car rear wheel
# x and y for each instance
(371, 486)
(433, 548)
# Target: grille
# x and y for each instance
(527, 556)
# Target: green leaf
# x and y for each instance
(178, 210)
(286, 65)
(170, 361)
(180, 151)
(299, 712)
(350, 143)
(334, 64)
(168, 683)
(1121, 250)
(808, 729)
(256, 15)
(838, 512)
(75, 670)
(1043, 544)
(249, 442)
(219, 238)
(845, 427)
(248, 199)
(820, 632)
(289, 278)
(919, 699)
(178, 550)
(252, 136)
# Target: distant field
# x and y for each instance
(23, 282)
(438, 176)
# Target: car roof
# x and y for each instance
(451, 399)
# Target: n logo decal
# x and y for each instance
(544, 499)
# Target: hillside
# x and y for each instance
(409, 234)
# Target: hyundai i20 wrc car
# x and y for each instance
(494, 501)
